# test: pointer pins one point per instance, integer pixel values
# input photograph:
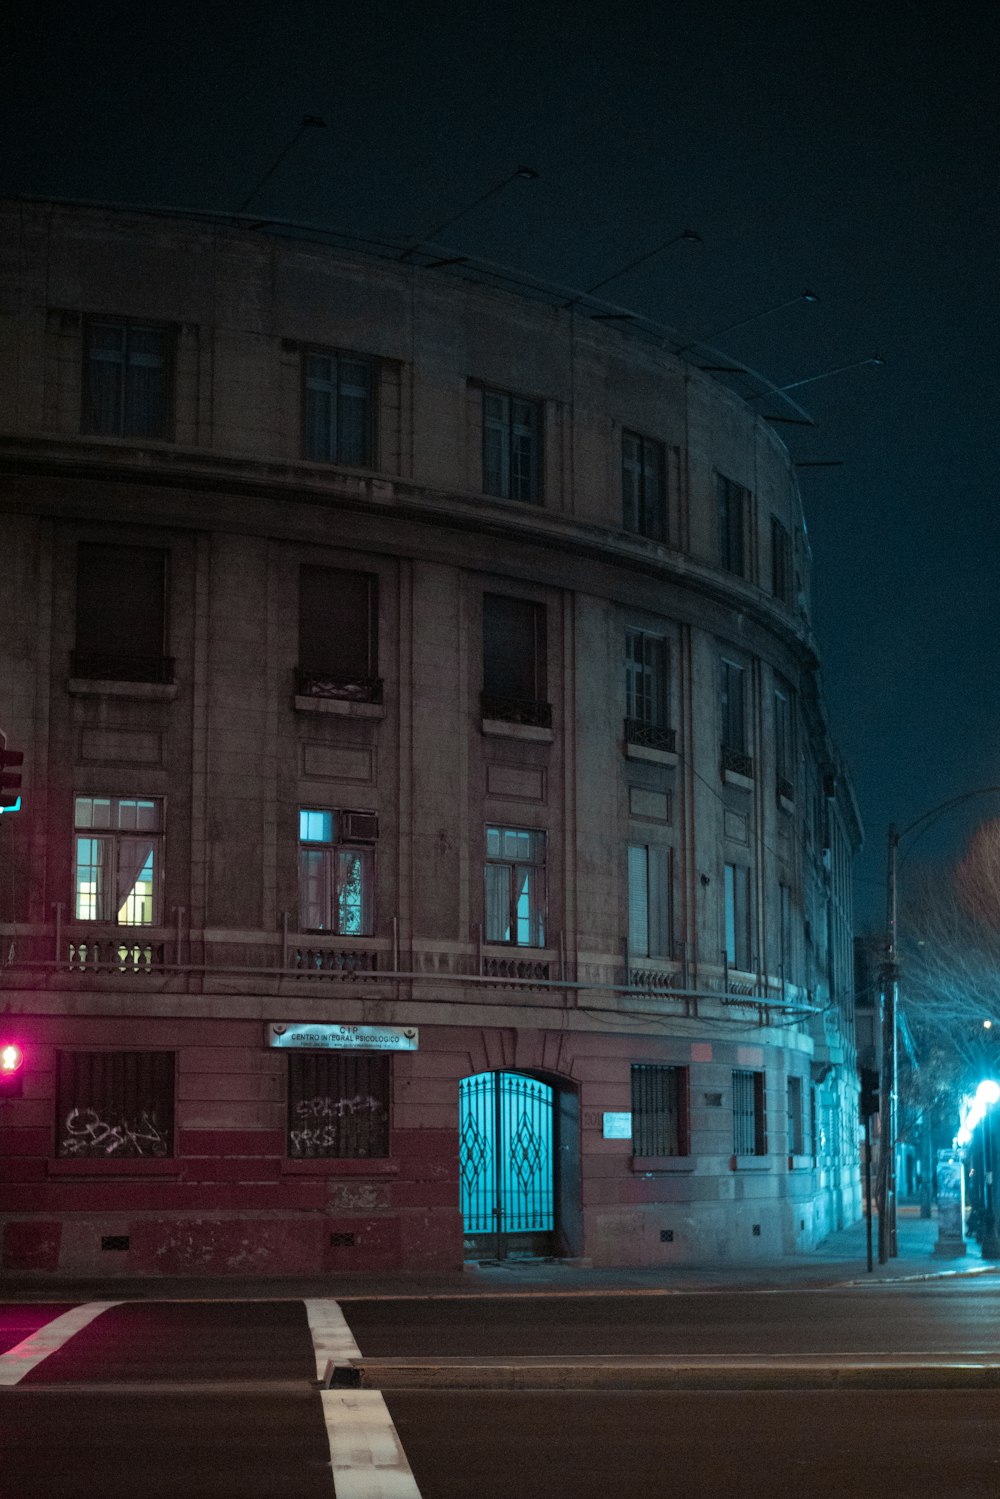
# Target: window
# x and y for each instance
(732, 707)
(748, 1114)
(338, 1106)
(117, 1105)
(337, 872)
(781, 562)
(511, 447)
(338, 634)
(121, 595)
(126, 380)
(647, 691)
(796, 1118)
(784, 758)
(337, 408)
(649, 889)
(514, 660)
(119, 853)
(659, 1110)
(733, 507)
(515, 886)
(736, 942)
(644, 493)
(785, 932)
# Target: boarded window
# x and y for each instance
(338, 1106)
(121, 594)
(115, 1105)
(659, 1110)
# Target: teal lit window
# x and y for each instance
(515, 886)
(337, 872)
(118, 857)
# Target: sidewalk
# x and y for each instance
(839, 1260)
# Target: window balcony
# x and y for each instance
(737, 767)
(516, 710)
(121, 666)
(336, 685)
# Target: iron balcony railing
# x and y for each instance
(516, 710)
(737, 761)
(785, 789)
(650, 735)
(337, 685)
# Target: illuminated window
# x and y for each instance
(644, 489)
(338, 1106)
(126, 381)
(515, 886)
(511, 447)
(119, 852)
(337, 871)
(337, 408)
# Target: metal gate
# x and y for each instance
(505, 1135)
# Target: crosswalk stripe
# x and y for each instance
(24, 1356)
(368, 1457)
(333, 1340)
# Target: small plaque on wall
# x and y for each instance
(617, 1127)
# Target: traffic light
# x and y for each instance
(869, 1091)
(11, 1069)
(10, 776)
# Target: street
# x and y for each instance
(881, 1391)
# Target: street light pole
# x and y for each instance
(885, 1190)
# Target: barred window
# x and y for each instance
(337, 408)
(116, 1105)
(126, 380)
(748, 1114)
(338, 1106)
(119, 853)
(511, 447)
(644, 490)
(659, 1110)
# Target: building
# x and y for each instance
(431, 842)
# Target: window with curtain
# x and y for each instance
(126, 387)
(337, 421)
(515, 886)
(649, 914)
(337, 871)
(644, 489)
(511, 447)
(118, 862)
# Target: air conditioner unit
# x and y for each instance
(358, 827)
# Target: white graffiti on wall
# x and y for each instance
(320, 1128)
(86, 1133)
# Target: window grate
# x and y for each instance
(338, 1106)
(748, 1113)
(659, 1109)
(116, 1105)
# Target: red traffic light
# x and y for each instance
(11, 1058)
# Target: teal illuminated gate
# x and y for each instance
(506, 1162)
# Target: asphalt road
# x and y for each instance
(219, 1399)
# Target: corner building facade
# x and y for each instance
(431, 845)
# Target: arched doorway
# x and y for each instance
(507, 1158)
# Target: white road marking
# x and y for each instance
(333, 1340)
(368, 1457)
(24, 1356)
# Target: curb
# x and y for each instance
(397, 1375)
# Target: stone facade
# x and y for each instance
(574, 813)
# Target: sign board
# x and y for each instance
(618, 1126)
(343, 1037)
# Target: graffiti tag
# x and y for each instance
(86, 1133)
(319, 1129)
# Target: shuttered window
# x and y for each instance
(649, 915)
(121, 616)
(338, 1106)
(115, 1105)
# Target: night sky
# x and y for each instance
(849, 150)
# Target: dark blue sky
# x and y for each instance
(852, 150)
